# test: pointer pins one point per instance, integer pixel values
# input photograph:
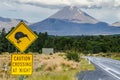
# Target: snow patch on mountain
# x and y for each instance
(74, 14)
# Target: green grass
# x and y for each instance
(68, 75)
(85, 65)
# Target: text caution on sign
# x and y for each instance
(21, 64)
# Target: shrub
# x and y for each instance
(73, 56)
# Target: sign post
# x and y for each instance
(21, 37)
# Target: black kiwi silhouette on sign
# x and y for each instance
(19, 35)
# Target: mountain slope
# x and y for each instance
(74, 14)
(7, 23)
(65, 22)
(63, 28)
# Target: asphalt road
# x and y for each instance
(106, 69)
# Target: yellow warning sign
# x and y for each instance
(22, 64)
(21, 36)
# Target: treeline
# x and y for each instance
(84, 44)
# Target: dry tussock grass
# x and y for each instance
(41, 64)
(4, 66)
(54, 62)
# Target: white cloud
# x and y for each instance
(80, 3)
(30, 13)
(37, 10)
(105, 15)
(8, 5)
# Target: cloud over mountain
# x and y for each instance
(30, 9)
(62, 3)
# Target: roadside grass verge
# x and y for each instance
(66, 73)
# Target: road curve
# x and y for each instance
(108, 66)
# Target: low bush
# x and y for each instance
(73, 56)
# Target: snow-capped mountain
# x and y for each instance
(73, 21)
(67, 21)
(74, 14)
(7, 23)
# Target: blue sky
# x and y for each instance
(37, 10)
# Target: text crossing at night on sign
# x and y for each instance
(21, 64)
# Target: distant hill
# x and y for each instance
(7, 23)
(73, 21)
(116, 24)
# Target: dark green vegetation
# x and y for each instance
(84, 44)
(73, 56)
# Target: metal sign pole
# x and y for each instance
(21, 77)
